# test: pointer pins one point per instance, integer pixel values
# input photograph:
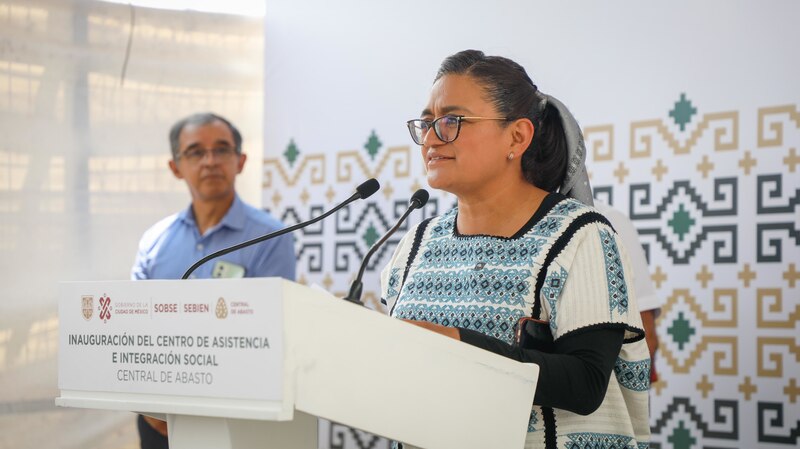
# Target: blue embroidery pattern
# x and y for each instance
(566, 207)
(533, 421)
(496, 286)
(446, 253)
(497, 322)
(633, 375)
(547, 226)
(442, 252)
(551, 290)
(444, 226)
(617, 288)
(592, 440)
(394, 283)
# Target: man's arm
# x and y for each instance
(649, 323)
(139, 270)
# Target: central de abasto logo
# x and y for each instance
(87, 306)
(222, 309)
(105, 308)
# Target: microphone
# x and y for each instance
(364, 190)
(418, 199)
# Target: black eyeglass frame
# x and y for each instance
(412, 125)
(195, 155)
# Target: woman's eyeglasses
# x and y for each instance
(446, 127)
(195, 155)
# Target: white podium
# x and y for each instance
(253, 362)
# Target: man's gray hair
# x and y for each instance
(199, 119)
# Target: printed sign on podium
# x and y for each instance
(189, 340)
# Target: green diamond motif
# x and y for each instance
(371, 236)
(291, 153)
(681, 438)
(373, 145)
(682, 112)
(681, 222)
(681, 331)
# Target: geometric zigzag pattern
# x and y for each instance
(719, 218)
(691, 207)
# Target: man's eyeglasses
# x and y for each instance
(195, 155)
(446, 127)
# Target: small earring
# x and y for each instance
(510, 155)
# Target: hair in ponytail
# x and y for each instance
(544, 163)
(514, 95)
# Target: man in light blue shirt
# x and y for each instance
(173, 244)
(207, 154)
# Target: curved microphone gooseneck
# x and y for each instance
(365, 190)
(418, 199)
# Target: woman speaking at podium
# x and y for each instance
(523, 266)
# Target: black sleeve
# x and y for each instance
(575, 376)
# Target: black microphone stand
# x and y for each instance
(364, 190)
(418, 200)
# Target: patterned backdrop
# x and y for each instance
(715, 196)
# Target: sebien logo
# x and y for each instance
(105, 308)
(195, 308)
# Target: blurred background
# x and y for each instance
(83, 168)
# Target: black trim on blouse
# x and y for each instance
(555, 250)
(415, 244)
(548, 203)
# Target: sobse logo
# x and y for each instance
(105, 308)
(165, 308)
(87, 306)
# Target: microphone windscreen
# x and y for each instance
(368, 187)
(419, 198)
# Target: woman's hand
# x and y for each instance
(451, 332)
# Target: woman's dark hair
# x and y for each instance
(514, 95)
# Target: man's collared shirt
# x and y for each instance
(172, 245)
